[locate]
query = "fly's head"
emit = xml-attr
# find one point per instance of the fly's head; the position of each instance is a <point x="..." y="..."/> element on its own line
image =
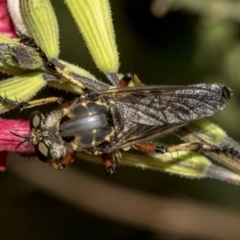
<point x="44" y="136"/>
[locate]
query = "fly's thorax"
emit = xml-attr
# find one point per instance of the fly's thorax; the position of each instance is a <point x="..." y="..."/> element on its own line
<point x="86" y="124"/>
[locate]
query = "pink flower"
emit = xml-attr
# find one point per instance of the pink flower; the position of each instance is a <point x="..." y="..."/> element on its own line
<point x="7" y="140"/>
<point x="6" y="25"/>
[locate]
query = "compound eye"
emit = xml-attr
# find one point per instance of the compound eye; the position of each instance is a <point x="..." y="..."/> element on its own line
<point x="36" y="118"/>
<point x="44" y="152"/>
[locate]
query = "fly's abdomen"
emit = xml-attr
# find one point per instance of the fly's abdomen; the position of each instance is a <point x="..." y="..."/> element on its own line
<point x="87" y="125"/>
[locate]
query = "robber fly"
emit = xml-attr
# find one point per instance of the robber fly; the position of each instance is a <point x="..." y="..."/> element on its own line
<point x="104" y="120"/>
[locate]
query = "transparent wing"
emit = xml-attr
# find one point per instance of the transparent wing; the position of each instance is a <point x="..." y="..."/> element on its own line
<point x="147" y="112"/>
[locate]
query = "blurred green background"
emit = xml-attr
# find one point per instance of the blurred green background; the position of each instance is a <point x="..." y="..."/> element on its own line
<point x="192" y="42"/>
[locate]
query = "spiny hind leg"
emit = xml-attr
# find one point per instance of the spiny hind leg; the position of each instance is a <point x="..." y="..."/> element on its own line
<point x="192" y="146"/>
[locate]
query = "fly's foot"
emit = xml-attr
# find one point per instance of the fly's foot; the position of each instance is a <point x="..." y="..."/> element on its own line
<point x="110" y="171"/>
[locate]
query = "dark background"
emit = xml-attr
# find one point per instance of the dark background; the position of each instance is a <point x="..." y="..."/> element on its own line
<point x="182" y="47"/>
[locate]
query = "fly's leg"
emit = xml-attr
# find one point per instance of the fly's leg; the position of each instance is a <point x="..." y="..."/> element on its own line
<point x="31" y="43"/>
<point x="106" y="158"/>
<point x="125" y="80"/>
<point x="44" y="101"/>
<point x="68" y="77"/>
<point x="137" y="82"/>
<point x="48" y="63"/>
<point x="13" y="103"/>
<point x="109" y="164"/>
<point x="149" y="147"/>
<point x="68" y="159"/>
<point x="203" y="146"/>
<point x="33" y="103"/>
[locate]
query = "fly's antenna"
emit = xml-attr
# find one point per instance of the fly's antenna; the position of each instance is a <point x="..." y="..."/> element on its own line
<point x="25" y="139"/>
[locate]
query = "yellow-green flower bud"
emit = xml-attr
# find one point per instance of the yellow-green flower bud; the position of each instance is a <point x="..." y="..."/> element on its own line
<point x="20" y="89"/>
<point x="95" y="23"/>
<point x="41" y="23"/>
